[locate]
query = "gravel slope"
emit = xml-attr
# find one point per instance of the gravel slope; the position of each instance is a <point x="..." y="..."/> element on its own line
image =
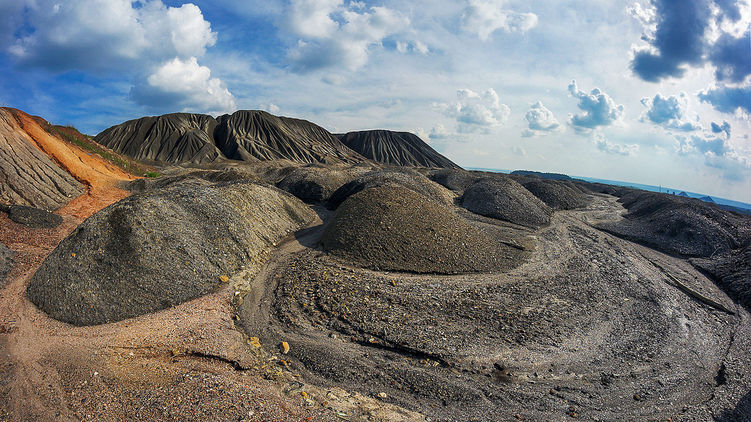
<point x="27" y="175"/>
<point x="591" y="327"/>
<point x="395" y="148"/>
<point x="246" y="135"/>
<point x="502" y="198"/>
<point x="397" y="229"/>
<point x="158" y="249"/>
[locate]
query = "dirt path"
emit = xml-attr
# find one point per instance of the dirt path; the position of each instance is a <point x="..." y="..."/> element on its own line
<point x="591" y="325"/>
<point x="189" y="362"/>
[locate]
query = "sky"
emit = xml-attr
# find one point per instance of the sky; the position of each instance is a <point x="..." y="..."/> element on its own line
<point x="650" y="91"/>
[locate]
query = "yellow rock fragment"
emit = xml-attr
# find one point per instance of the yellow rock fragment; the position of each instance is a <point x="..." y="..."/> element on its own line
<point x="224" y="278"/>
<point x="254" y="342"/>
<point x="285" y="347"/>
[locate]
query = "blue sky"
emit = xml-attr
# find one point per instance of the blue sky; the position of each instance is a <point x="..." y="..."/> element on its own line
<point x="649" y="91"/>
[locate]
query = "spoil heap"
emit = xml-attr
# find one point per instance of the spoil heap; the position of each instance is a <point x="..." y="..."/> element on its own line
<point x="395" y="148"/>
<point x="409" y="179"/>
<point x="680" y="226"/>
<point x="27" y="175"/>
<point x="502" y="198"/>
<point x="397" y="229"/>
<point x="156" y="250"/>
<point x="558" y="195"/>
<point x="315" y="183"/>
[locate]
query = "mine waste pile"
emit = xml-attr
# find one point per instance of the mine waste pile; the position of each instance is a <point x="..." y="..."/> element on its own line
<point x="273" y="262"/>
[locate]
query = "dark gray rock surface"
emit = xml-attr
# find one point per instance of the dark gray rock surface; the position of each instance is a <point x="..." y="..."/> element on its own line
<point x="502" y="198"/>
<point x="455" y="179"/>
<point x="31" y="217"/>
<point x="158" y="249"/>
<point x="732" y="271"/>
<point x="392" y="177"/>
<point x="247" y="135"/>
<point x="397" y="229"/>
<point x="315" y="183"/>
<point x="680" y="226"/>
<point x="6" y="262"/>
<point x="395" y="148"/>
<point x="172" y="138"/>
<point x="557" y="194"/>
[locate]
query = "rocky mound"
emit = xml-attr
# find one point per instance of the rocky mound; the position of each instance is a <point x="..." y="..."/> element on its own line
<point x="403" y="178"/>
<point x="558" y="195"/>
<point x="257" y="135"/>
<point x="397" y="229"/>
<point x="158" y="249"/>
<point x="27" y="175"/>
<point x="455" y="179"/>
<point x="247" y="135"/>
<point x="680" y="226"/>
<point x="34" y="218"/>
<point x="315" y="183"/>
<point x="502" y="198"/>
<point x="396" y="148"/>
<point x="542" y="175"/>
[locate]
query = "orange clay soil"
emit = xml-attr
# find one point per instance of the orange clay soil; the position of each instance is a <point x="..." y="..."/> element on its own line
<point x="100" y="177"/>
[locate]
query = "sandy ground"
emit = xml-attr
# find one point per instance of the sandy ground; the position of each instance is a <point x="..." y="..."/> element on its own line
<point x="187" y="363"/>
<point x="184" y="363"/>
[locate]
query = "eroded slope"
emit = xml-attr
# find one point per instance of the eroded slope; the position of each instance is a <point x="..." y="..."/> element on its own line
<point x="395" y="148"/>
<point x="27" y="175"/>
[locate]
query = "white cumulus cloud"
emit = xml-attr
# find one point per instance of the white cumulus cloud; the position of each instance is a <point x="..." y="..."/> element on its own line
<point x="474" y="111"/>
<point x="185" y="85"/>
<point x="312" y="18"/>
<point x="540" y="120"/>
<point x="332" y="34"/>
<point x="668" y="112"/>
<point x="598" y="108"/>
<point x="484" y="17"/>
<point x="106" y="35"/>
<point x="606" y="146"/>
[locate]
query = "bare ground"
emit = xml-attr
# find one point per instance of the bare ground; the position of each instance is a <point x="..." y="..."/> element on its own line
<point x="187" y="363"/>
<point x="592" y="326"/>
